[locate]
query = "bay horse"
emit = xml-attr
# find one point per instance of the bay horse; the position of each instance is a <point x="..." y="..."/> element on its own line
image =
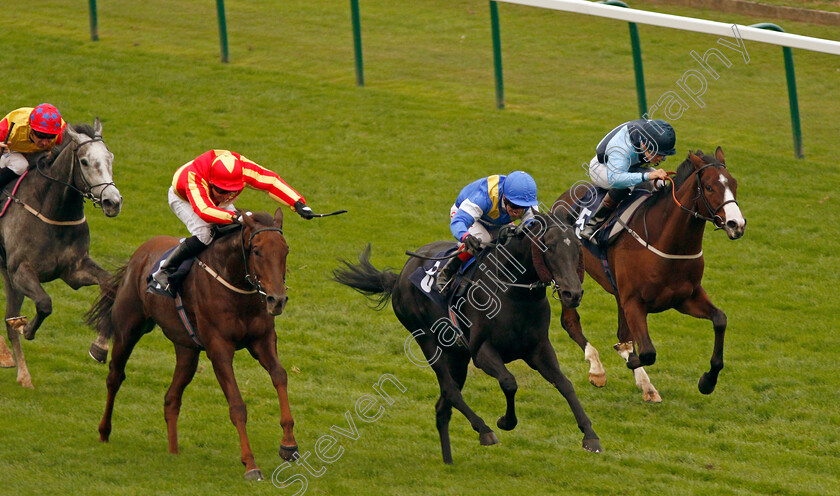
<point x="231" y="301"/>
<point x="44" y="235"/>
<point x="505" y="313"/>
<point x="659" y="265"/>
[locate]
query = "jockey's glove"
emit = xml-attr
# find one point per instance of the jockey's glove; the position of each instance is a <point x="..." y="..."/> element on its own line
<point x="472" y="244"/>
<point x="303" y="210"/>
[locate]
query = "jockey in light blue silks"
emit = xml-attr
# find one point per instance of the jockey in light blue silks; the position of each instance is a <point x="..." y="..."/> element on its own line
<point x="483" y="207"/>
<point x="621" y="162"/>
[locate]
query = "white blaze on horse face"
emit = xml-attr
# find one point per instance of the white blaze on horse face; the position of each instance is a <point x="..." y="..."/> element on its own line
<point x="99" y="170"/>
<point x="731" y="210"/>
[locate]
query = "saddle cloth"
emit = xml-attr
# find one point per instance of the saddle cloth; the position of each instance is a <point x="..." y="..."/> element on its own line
<point x="176" y="279"/>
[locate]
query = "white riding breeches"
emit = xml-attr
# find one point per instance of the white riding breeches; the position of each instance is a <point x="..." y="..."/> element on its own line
<point x="197" y="226"/>
<point x="15" y="161"/>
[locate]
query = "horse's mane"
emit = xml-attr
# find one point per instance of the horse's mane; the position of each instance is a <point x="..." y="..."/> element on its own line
<point x="225" y="232"/>
<point x="46" y="159"/>
<point x="686" y="169"/>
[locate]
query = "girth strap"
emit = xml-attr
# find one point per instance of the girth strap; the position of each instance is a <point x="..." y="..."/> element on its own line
<point x="182" y="314"/>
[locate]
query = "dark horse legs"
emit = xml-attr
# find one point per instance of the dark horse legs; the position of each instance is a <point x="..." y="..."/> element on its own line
<point x="265" y="351"/>
<point x="186" y="362"/>
<point x="488" y="360"/>
<point x="699" y="305"/>
<point x="544" y="360"/>
<point x="451" y="372"/>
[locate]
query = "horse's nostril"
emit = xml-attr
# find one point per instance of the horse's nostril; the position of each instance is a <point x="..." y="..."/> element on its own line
<point x="271" y="300"/>
<point x="731" y="224"/>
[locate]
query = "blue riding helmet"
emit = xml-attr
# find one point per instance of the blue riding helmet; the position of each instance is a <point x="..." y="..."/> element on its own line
<point x="520" y="189"/>
<point x="659" y="137"/>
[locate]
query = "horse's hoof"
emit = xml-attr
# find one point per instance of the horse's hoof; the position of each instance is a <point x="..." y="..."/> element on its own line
<point x="97" y="353"/>
<point x="707" y="384"/>
<point x="254" y="475"/>
<point x="647" y="359"/>
<point x="598" y="380"/>
<point x="652" y="397"/>
<point x="506" y="425"/>
<point x="28" y="333"/>
<point x="592" y="445"/>
<point x="488" y="439"/>
<point x="633" y="362"/>
<point x="26" y="382"/>
<point x="288" y="452"/>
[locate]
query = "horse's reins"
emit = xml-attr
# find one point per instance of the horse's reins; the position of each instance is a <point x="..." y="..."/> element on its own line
<point x="97" y="202"/>
<point x="252" y="278"/>
<point x="85" y="195"/>
<point x="716" y="220"/>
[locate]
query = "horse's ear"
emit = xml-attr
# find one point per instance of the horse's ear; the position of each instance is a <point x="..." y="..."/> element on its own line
<point x="278" y="217"/>
<point x="73" y="134"/>
<point x="97" y="128"/>
<point x="697" y="161"/>
<point x="719" y="155"/>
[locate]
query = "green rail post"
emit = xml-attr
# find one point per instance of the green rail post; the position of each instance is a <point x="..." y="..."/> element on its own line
<point x="637" y="59"/>
<point x="94" y="27"/>
<point x="497" y="55"/>
<point x="220" y="7"/>
<point x="357" y="42"/>
<point x="791" y="84"/>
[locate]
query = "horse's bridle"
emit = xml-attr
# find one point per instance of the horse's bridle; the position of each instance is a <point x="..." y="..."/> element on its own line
<point x="251" y="276"/>
<point x="716" y="220"/>
<point x="97" y="202"/>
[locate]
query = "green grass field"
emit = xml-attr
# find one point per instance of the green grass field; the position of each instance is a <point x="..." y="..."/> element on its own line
<point x="395" y="154"/>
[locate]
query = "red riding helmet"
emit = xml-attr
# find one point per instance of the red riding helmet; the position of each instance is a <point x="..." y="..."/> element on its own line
<point x="226" y="172"/>
<point x="45" y="119"/>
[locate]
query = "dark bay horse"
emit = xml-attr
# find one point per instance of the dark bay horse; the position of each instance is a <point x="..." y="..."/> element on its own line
<point x="505" y="315"/>
<point x="44" y="235"/>
<point x="230" y="298"/>
<point x="662" y="265"/>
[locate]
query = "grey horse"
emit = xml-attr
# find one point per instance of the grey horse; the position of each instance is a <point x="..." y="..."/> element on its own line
<point x="44" y="235"/>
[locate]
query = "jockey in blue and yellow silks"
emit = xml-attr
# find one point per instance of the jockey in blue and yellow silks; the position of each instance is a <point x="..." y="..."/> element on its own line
<point x="623" y="159"/>
<point x="484" y="206"/>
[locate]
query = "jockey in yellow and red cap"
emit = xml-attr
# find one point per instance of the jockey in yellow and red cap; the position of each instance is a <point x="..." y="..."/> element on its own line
<point x="202" y="194"/>
<point x="26" y="131"/>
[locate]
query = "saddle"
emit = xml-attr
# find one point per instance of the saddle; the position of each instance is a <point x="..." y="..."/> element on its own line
<point x="585" y="207"/>
<point x="425" y="277"/>
<point x="176" y="279"/>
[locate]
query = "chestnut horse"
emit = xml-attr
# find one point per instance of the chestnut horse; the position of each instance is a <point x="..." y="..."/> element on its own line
<point x="659" y="265"/>
<point x="231" y="301"/>
<point x="505" y="313"/>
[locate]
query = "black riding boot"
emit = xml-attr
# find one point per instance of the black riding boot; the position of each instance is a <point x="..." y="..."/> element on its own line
<point x="6" y="176"/>
<point x="613" y="198"/>
<point x="447" y="272"/>
<point x="159" y="284"/>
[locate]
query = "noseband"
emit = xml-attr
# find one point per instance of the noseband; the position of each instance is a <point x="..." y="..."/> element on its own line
<point x="250" y="275"/>
<point x="716" y="220"/>
<point x="87" y="193"/>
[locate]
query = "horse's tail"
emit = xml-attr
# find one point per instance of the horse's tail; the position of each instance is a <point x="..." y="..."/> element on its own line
<point x="99" y="315"/>
<point x="367" y="279"/>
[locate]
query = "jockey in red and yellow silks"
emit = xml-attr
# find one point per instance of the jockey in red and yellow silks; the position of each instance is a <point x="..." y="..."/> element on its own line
<point x="202" y="194"/>
<point x="192" y="182"/>
<point x="26" y="131"/>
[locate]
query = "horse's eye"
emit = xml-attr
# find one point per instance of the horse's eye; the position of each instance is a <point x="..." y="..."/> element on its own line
<point x="708" y="188"/>
<point x="257" y="252"/>
<point x="84" y="162"/>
